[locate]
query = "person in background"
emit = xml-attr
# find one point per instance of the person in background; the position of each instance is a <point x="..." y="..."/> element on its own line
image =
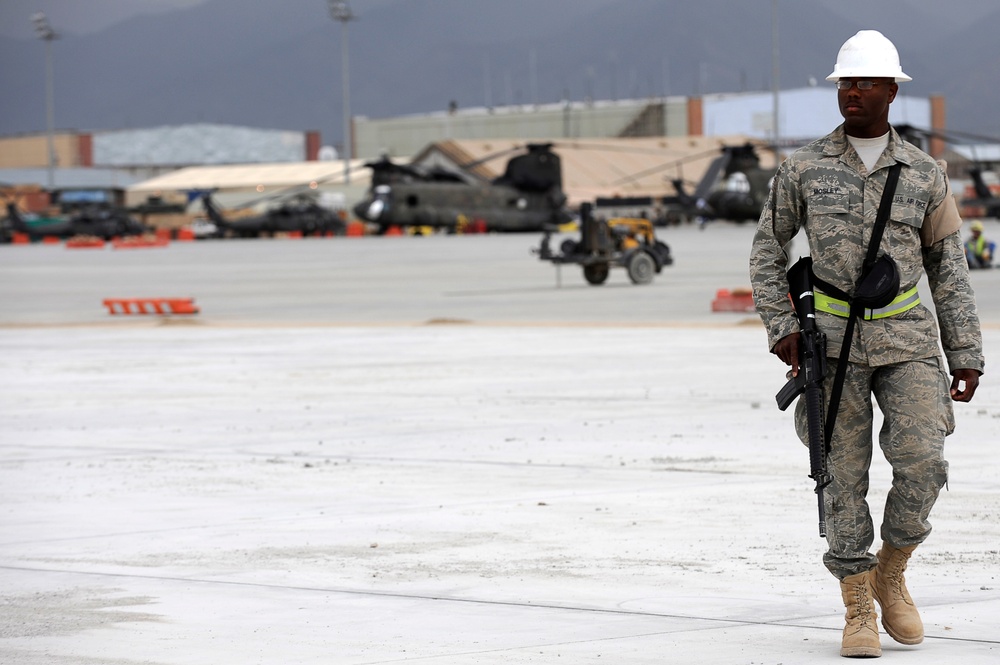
<point x="978" y="250"/>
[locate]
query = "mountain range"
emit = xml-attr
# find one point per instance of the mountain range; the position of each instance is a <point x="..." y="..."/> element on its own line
<point x="277" y="64"/>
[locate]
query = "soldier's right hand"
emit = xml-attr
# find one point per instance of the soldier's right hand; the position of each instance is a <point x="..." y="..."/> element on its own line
<point x="787" y="350"/>
<point x="964" y="384"/>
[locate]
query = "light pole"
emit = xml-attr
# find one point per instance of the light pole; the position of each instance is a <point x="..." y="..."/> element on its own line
<point x="775" y="84"/>
<point x="47" y="34"/>
<point x="341" y="11"/>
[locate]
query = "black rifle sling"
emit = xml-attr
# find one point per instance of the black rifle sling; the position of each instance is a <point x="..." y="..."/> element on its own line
<point x="885" y="205"/>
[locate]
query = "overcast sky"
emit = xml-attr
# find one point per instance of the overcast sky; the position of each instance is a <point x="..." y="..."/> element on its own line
<point x="81" y="17"/>
<point x="196" y="48"/>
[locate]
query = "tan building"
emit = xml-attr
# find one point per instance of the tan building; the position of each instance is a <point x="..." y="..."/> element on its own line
<point x="70" y="149"/>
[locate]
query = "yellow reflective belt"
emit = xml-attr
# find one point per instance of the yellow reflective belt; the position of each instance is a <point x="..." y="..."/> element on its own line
<point x="903" y="302"/>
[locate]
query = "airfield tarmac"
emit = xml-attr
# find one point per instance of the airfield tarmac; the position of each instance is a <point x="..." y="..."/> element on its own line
<point x="438" y="450"/>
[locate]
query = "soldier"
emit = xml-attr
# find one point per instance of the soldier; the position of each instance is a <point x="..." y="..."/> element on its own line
<point x="832" y="189"/>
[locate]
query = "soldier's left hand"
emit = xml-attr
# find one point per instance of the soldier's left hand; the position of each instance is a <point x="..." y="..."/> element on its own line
<point x="970" y="378"/>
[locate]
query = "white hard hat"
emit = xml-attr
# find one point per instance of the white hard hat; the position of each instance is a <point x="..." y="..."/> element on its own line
<point x="868" y="53"/>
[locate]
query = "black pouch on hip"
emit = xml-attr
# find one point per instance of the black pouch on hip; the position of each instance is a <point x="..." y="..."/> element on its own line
<point x="880" y="286"/>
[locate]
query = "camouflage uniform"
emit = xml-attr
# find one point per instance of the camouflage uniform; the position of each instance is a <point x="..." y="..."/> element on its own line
<point x="826" y="189"/>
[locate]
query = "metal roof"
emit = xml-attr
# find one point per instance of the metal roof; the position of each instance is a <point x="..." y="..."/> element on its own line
<point x="257" y="177"/>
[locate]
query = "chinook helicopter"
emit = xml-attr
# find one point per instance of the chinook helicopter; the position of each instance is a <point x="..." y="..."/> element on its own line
<point x="527" y="197"/>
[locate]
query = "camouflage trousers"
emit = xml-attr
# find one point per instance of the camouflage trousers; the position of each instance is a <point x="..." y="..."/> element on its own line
<point x="914" y="399"/>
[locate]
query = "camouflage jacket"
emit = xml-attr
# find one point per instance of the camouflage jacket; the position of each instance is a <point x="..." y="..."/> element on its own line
<point x="825" y="189"/>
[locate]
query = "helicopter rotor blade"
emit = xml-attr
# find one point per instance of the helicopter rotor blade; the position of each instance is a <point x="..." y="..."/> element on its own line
<point x="948" y="136"/>
<point x="665" y="166"/>
<point x="288" y="190"/>
<point x="715" y="170"/>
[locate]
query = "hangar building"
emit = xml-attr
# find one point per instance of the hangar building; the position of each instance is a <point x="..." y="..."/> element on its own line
<point x="804" y="114"/>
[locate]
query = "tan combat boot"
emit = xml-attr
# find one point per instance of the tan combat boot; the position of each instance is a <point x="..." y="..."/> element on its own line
<point x="861" y="632"/>
<point x="899" y="615"/>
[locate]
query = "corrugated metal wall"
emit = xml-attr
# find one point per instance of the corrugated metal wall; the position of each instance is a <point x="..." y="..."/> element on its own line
<point x="406" y="136"/>
<point x="184" y="145"/>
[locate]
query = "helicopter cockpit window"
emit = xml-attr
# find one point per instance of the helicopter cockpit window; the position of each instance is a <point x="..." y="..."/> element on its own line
<point x="375" y="208"/>
<point x="380" y="202"/>
<point x="738" y="182"/>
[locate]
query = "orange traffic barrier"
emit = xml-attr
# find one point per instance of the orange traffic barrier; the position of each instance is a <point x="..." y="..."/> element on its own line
<point x="737" y="300"/>
<point x="84" y="242"/>
<point x="51" y="240"/>
<point x="394" y="231"/>
<point x="185" y="233"/>
<point x="150" y="306"/>
<point x="139" y="241"/>
<point x="18" y="238"/>
<point x="355" y="229"/>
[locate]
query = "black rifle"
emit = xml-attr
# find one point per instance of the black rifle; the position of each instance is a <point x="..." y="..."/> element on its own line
<point x="812" y="369"/>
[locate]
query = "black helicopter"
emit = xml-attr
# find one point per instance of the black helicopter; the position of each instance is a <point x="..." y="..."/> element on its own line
<point x="98" y="220"/>
<point x="300" y="213"/>
<point x="984" y="198"/>
<point x="527" y="197"/>
<point x="735" y="187"/>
